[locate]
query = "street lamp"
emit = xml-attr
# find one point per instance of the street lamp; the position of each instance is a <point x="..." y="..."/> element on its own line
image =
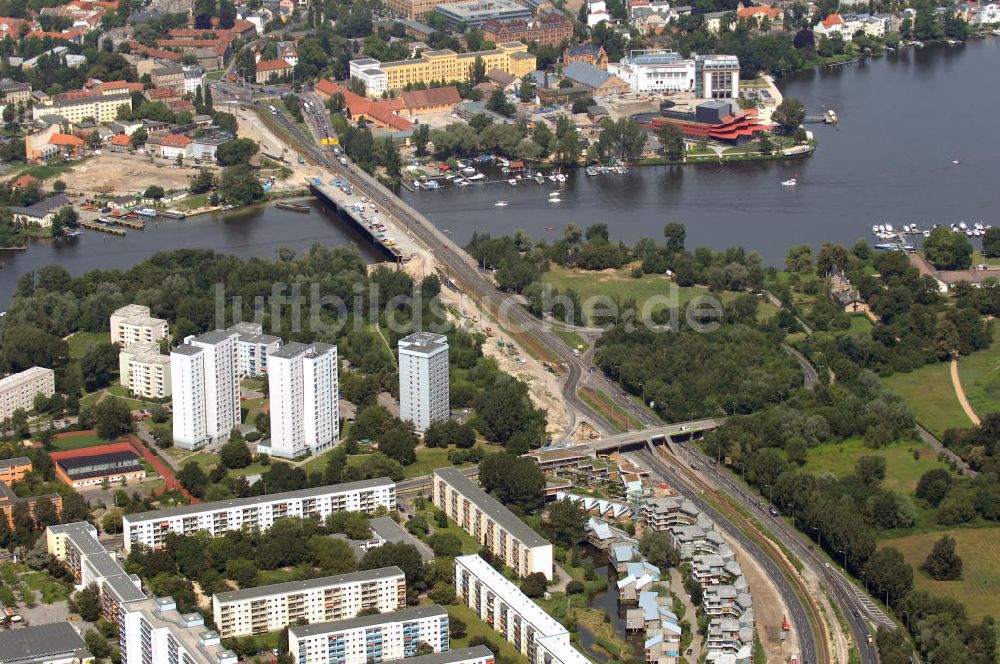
<point x="845" y="557"/>
<point x="820" y="535"/>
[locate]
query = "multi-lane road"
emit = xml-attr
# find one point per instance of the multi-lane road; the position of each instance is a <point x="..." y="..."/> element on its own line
<point x="855" y="606"/>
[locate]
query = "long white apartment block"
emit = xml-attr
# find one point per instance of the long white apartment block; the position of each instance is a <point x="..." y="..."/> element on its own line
<point x="133" y="324"/>
<point x="375" y="638"/>
<point x="268" y="608"/>
<point x="423" y="379"/>
<point x="254" y="348"/>
<point x="144" y="370"/>
<point x="518" y="619"/>
<point x="150" y="629"/>
<point x="18" y="391"/>
<point x="257" y="512"/>
<point x="303" y="388"/>
<point x="204" y="379"/>
<point x="493" y="525"/>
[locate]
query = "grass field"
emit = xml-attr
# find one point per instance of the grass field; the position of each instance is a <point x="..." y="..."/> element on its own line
<point x="79" y="342"/>
<point x="860" y="323"/>
<point x="428" y="458"/>
<point x="902" y="470"/>
<point x="76" y="442"/>
<point x="979" y="259"/>
<point x="572" y="339"/>
<point x="979" y="548"/>
<point x="930" y="394"/>
<point x="980" y="376"/>
<point x="476" y="626"/>
<point x="620" y="284"/>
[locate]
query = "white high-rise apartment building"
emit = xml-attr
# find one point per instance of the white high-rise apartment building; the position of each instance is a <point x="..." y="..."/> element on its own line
<point x="19" y="390"/>
<point x="254" y="348"/>
<point x="206" y="390"/>
<point x="144" y="370"/>
<point x="303" y="386"/>
<point x="423" y="379"/>
<point x="132" y="324"/>
<point x="375" y="638"/>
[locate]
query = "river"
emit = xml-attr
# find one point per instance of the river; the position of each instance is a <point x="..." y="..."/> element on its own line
<point x="904" y="118"/>
<point x="253" y="232"/>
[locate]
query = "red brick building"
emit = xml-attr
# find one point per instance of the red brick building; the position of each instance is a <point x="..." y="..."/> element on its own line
<point x="550" y="29"/>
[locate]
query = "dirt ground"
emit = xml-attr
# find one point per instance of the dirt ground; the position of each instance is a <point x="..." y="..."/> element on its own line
<point x="117" y="174"/>
<point x="249" y="126"/>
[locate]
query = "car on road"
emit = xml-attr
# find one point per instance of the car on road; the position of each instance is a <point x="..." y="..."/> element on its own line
<point x="685" y="428"/>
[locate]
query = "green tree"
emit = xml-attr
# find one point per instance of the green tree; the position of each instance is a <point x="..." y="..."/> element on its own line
<point x="193" y="478"/>
<point x="45" y="513"/>
<point x="948" y="250"/>
<point x="888" y="575"/>
<point x="513" y="480"/>
<point x="527" y="90"/>
<point x="87" y="603"/>
<point x="943" y="562"/>
<point x="478" y="74"/>
<point x="870" y="469"/>
<point x="421" y="136"/>
<point x="404" y="556"/>
<point x="790" y="113"/>
<point x="498" y="103"/>
<point x="112" y="418"/>
<point x="154" y="191"/>
<point x="235" y="454"/>
<point x="445" y="545"/>
<point x="534" y="585"/>
<point x="566" y="521"/>
<point x="239" y="184"/>
<point x="235" y="152"/>
<point x="658" y="550"/>
<point x="672" y="139"/>
<point x="244" y="572"/>
<point x="99" y="365"/>
<point x="991" y="242"/>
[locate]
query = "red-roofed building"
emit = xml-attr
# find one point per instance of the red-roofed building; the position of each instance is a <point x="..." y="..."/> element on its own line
<point x="165" y="95"/>
<point x="12" y="27"/>
<point x="117" y="87"/>
<point x="381" y="113"/>
<point x="154" y="52"/>
<point x="757" y="15"/>
<point x="435" y="100"/>
<point x="549" y="29"/>
<point x="172" y="146"/>
<point x="68" y="144"/>
<point x="268" y="69"/>
<point x="91" y="466"/>
<point x="24" y="182"/>
<point x="121" y="143"/>
<point x="75" y="35"/>
<point x="832" y="24"/>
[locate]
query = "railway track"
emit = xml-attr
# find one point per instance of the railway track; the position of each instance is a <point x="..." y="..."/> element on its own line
<point x="814" y="641"/>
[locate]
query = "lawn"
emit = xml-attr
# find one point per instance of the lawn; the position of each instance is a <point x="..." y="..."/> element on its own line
<point x="429" y="458"/>
<point x="979" y="259"/>
<point x="194" y="202"/>
<point x="620" y="284"/>
<point x="979" y="548"/>
<point x="469" y="543"/>
<point x="572" y="339"/>
<point x="252" y="469"/>
<point x="902" y="470"/>
<point x="46" y="588"/>
<point x="929" y="393"/>
<point x="76" y="442"/>
<point x="980" y="376"/>
<point x="860" y="323"/>
<point x="80" y="341"/>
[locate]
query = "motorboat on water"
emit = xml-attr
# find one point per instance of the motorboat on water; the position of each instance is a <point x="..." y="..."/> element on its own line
<point x="591" y="170"/>
<point x="500" y="204"/>
<point x="560" y="177"/>
<point x="553" y="178"/>
<point x="554" y="194"/>
<point x="477" y="176"/>
<point x="539" y="178"/>
<point x="512" y="182"/>
<point x="791" y="182"/>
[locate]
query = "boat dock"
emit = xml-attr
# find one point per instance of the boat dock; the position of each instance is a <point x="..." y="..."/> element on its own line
<point x="362" y="214"/>
<point x="135" y="224"/>
<point x="101" y="226"/>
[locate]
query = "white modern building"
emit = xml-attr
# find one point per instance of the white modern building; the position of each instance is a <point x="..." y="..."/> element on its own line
<point x="717" y="76"/>
<point x="493" y="525"/>
<point x="132" y="324"/>
<point x="150" y="630"/>
<point x="369" y="72"/>
<point x="303" y="388"/>
<point x="254" y="348"/>
<point x="655" y="71"/>
<point x="204" y="380"/>
<point x="18" y="391"/>
<point x="518" y="619"/>
<point x="374" y="638"/>
<point x="144" y="370"/>
<point x="329" y="598"/>
<point x="423" y="379"/>
<point x="257" y="512"/>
